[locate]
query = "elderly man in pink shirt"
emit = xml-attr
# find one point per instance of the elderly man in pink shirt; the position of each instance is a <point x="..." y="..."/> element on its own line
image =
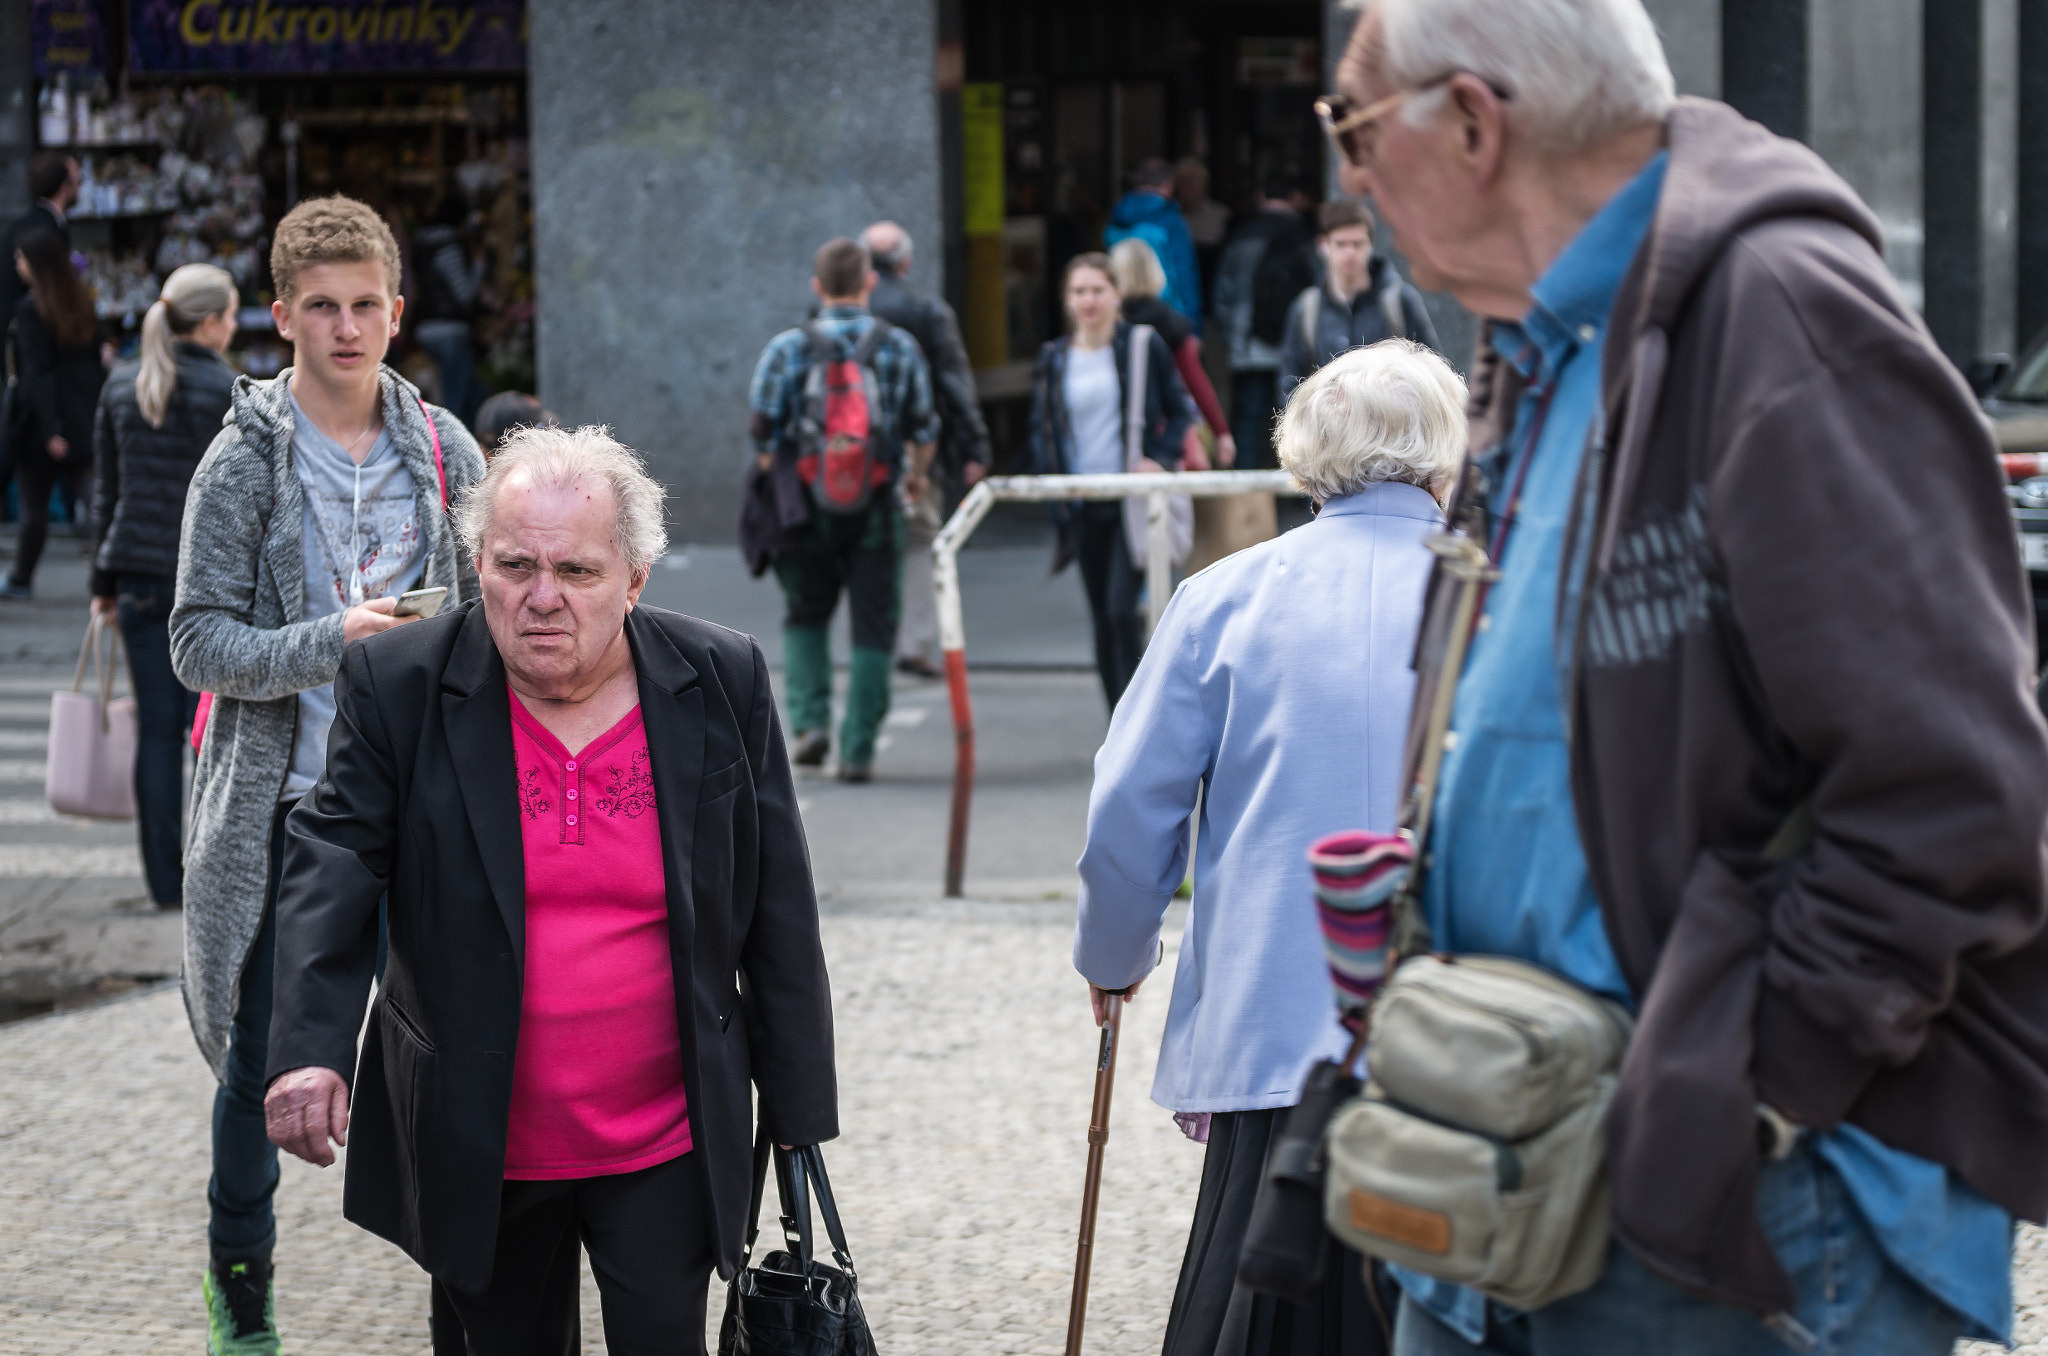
<point x="602" y="926"/>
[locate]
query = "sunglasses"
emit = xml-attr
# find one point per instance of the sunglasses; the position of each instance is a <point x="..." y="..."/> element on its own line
<point x="1347" y="127"/>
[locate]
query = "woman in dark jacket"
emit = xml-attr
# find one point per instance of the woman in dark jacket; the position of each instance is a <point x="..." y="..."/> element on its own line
<point x="156" y="418"/>
<point x="55" y="361"/>
<point x="1141" y="279"/>
<point x="1077" y="428"/>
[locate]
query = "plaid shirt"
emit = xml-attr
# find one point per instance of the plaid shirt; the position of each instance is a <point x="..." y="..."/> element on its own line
<point x="777" y="394"/>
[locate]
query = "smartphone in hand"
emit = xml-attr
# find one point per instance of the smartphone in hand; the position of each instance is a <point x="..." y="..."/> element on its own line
<point x="420" y="602"/>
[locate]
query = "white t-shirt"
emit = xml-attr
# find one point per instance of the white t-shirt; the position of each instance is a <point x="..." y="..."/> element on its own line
<point x="1095" y="410"/>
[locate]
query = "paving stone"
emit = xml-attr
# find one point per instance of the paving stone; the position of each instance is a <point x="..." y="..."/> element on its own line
<point x="966" y="1064"/>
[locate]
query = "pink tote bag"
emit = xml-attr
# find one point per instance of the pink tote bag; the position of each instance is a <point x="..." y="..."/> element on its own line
<point x="91" y="769"/>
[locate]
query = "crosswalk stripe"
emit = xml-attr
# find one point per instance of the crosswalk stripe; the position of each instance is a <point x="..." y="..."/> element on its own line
<point x="35" y="860"/>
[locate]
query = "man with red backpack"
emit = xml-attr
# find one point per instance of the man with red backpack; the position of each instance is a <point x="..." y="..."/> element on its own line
<point x="842" y="405"/>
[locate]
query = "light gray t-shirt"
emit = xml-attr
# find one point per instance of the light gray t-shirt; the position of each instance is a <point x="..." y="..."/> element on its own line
<point x="1095" y="411"/>
<point x="362" y="540"/>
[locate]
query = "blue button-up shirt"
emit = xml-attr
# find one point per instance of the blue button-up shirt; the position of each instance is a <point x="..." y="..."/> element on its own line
<point x="1279" y="680"/>
<point x="1510" y="877"/>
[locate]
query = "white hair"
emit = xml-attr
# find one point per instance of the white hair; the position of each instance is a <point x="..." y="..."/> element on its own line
<point x="1389" y="411"/>
<point x="558" y="458"/>
<point x="1135" y="269"/>
<point x="1575" y="72"/>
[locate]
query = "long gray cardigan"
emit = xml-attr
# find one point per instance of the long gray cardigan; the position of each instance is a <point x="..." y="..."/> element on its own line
<point x="236" y="631"/>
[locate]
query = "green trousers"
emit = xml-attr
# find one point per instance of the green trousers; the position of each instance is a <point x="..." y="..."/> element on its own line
<point x="860" y="555"/>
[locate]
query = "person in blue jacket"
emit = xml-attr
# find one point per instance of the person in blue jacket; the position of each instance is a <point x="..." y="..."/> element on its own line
<point x="1149" y="213"/>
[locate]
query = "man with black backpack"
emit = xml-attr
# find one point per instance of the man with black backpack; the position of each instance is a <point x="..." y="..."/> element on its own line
<point x="843" y="403"/>
<point x="1361" y="299"/>
<point x="1267" y="263"/>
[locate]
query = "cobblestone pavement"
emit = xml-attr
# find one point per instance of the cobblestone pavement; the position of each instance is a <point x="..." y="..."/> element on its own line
<point x="966" y="1060"/>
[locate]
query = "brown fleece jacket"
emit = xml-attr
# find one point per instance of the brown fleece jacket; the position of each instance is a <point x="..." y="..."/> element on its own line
<point x="1802" y="590"/>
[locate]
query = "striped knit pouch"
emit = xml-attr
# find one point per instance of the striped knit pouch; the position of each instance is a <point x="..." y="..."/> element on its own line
<point x="1356" y="874"/>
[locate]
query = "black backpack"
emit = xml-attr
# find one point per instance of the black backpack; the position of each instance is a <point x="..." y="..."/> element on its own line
<point x="1286" y="268"/>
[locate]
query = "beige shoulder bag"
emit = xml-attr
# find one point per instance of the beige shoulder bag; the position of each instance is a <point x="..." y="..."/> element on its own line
<point x="1475" y="1153"/>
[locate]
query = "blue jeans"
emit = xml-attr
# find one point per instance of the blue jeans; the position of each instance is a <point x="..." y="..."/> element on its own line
<point x="163" y="714"/>
<point x="1254" y="400"/>
<point x="242" y="1226"/>
<point x="1850" y="1297"/>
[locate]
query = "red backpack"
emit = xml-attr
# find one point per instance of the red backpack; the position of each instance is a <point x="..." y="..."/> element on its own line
<point x="842" y="444"/>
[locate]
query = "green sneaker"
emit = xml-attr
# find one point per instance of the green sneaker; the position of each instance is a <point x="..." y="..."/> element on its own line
<point x="241" y="1309"/>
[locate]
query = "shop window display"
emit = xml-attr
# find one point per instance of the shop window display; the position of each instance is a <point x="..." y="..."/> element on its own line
<point x="174" y="174"/>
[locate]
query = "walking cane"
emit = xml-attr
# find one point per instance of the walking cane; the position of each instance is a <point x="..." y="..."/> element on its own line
<point x="1098" y="1136"/>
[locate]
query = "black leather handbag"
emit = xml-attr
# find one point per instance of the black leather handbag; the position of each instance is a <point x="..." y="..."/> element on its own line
<point x="793" y="1304"/>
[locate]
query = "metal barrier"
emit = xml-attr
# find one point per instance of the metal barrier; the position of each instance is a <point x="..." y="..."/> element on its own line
<point x="1158" y="585"/>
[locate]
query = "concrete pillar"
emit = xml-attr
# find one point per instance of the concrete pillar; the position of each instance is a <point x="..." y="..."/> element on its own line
<point x="1865" y="116"/>
<point x="17" y="108"/>
<point x="688" y="159"/>
<point x="1691" y="30"/>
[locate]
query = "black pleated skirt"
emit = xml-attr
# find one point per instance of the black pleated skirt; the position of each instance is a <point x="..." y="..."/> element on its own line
<point x="1215" y="1316"/>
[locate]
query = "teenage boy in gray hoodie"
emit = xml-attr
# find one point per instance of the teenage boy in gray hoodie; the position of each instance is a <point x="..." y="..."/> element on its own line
<point x="322" y="500"/>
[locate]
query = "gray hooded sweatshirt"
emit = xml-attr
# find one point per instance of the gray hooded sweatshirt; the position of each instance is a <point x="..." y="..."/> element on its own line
<point x="241" y="630"/>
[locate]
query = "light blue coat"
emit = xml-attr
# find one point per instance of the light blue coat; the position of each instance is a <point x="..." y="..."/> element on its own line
<point x="1279" y="679"/>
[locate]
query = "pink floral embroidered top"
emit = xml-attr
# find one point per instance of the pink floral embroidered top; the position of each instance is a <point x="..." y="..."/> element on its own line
<point x="597" y="1084"/>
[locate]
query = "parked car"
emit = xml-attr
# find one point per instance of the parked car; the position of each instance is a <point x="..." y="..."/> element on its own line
<point x="2015" y="400"/>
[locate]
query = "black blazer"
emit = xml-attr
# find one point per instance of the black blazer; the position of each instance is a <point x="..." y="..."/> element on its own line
<point x="420" y="799"/>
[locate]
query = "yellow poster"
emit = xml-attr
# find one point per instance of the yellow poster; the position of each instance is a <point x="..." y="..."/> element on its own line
<point x="981" y="157"/>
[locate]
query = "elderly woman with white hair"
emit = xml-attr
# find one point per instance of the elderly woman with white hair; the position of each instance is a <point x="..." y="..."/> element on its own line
<point x="583" y="813"/>
<point x="1275" y="695"/>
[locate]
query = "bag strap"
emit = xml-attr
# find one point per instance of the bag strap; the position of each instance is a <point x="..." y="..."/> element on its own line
<point x="790" y="1184"/>
<point x="871" y="343"/>
<point x="1134" y="396"/>
<point x="1311" y="318"/>
<point x="813" y="1159"/>
<point x="1465" y="571"/>
<point x="762" y="1145"/>
<point x="1394" y="306"/>
<point x="440" y="470"/>
<point x="90" y="646"/>
<point x="822" y="351"/>
<point x="105" y="659"/>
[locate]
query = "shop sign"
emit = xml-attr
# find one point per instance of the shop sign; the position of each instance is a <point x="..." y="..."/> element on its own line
<point x="68" y="36"/>
<point x="326" y="36"/>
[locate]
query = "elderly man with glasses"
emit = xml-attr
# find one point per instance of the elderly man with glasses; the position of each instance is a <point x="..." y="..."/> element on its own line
<point x="1744" y="739"/>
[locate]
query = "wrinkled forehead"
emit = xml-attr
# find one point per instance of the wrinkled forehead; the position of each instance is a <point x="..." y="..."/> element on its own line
<point x="553" y="521"/>
<point x="1359" y="71"/>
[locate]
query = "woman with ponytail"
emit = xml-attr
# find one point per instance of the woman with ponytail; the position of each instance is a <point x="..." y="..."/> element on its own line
<point x="156" y="419"/>
<point x="54" y="365"/>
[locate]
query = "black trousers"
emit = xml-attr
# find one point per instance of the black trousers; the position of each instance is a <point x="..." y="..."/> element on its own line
<point x="649" y="1237"/>
<point x="163" y="710"/>
<point x="1213" y="1315"/>
<point x="35" y="473"/>
<point x="859" y="554"/>
<point x="1112" y="583"/>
